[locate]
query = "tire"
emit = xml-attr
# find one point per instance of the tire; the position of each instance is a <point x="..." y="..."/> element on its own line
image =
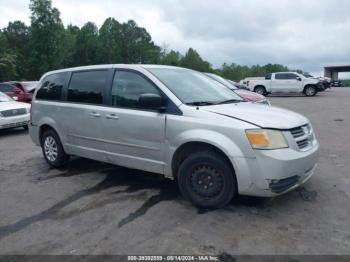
<point x="52" y="149"/>
<point x="260" y="90"/>
<point x="207" y="180"/>
<point x="310" y="90"/>
<point x="25" y="127"/>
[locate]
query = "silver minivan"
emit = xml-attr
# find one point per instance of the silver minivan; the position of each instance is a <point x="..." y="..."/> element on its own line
<point x="176" y="122"/>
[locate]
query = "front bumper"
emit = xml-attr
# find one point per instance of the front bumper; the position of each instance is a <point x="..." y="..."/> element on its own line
<point x="275" y="172"/>
<point x="14" y="121"/>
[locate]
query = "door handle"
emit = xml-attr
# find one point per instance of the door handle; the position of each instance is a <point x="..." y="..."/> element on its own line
<point x="94" y="114"/>
<point x="112" y="116"/>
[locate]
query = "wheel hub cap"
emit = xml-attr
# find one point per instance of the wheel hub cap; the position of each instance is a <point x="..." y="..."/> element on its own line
<point x="50" y="148"/>
<point x="206" y="181"/>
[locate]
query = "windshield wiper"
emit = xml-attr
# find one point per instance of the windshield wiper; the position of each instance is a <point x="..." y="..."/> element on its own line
<point x="229" y="101"/>
<point x="200" y="103"/>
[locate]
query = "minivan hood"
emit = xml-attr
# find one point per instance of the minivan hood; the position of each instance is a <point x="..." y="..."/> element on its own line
<point x="262" y="116"/>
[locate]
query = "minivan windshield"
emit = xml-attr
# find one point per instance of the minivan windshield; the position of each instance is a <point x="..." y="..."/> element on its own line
<point x="5" y="98"/>
<point x="195" y="88"/>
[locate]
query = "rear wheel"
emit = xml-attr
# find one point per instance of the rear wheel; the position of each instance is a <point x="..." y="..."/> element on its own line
<point x="260" y="90"/>
<point x="52" y="149"/>
<point x="207" y="180"/>
<point x="310" y="90"/>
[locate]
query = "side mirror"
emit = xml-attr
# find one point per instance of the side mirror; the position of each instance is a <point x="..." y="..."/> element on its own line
<point x="15" y="98"/>
<point x="151" y="101"/>
<point x="298" y="78"/>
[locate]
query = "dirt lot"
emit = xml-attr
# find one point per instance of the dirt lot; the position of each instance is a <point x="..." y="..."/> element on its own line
<point x="95" y="208"/>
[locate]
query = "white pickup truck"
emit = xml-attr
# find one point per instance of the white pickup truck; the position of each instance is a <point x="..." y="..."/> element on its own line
<point x="285" y="82"/>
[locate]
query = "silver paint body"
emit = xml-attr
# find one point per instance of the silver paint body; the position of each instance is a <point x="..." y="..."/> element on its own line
<point x="147" y="140"/>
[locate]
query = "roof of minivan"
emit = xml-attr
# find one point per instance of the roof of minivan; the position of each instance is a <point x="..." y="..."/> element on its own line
<point x="91" y="67"/>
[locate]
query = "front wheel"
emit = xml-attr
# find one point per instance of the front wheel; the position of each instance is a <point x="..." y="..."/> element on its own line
<point x="207" y="180"/>
<point x="53" y="150"/>
<point x="310" y="91"/>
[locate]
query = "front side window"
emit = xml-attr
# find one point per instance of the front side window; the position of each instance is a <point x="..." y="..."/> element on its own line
<point x="193" y="87"/>
<point x="87" y="87"/>
<point x="51" y="87"/>
<point x="268" y="77"/>
<point x="128" y="87"/>
<point x="292" y="76"/>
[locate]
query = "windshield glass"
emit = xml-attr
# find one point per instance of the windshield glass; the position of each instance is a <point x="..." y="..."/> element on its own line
<point x="307" y="75"/>
<point x="194" y="87"/>
<point x="222" y="80"/>
<point x="5" y="98"/>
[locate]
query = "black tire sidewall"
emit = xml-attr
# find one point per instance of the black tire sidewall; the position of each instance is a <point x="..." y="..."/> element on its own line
<point x="215" y="161"/>
<point x="61" y="158"/>
<point x="312" y="87"/>
<point x="261" y="88"/>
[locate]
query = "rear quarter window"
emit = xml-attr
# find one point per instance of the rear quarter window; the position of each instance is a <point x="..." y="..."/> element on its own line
<point x="51" y="87"/>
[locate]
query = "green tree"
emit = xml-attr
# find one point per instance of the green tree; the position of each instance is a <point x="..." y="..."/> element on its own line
<point x="7" y="60"/>
<point x="110" y="38"/>
<point x="45" y="37"/>
<point x="172" y="58"/>
<point x="194" y="61"/>
<point x="17" y="34"/>
<point x="87" y="45"/>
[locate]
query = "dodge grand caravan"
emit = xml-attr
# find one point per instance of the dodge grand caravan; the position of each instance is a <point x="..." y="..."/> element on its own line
<point x="176" y="122"/>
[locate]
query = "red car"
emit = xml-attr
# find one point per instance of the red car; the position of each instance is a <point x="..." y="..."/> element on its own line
<point x="247" y="96"/>
<point x="19" y="91"/>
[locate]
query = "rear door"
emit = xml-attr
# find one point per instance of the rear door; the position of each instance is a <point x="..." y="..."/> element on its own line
<point x="281" y="83"/>
<point x="83" y="113"/>
<point x="134" y="136"/>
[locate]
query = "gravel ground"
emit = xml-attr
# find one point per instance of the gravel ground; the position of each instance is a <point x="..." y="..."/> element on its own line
<point x="96" y="208"/>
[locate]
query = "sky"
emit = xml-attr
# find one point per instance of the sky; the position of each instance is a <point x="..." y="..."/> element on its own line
<point x="302" y="34"/>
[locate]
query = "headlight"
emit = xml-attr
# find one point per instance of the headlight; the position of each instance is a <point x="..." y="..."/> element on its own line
<point x="266" y="139"/>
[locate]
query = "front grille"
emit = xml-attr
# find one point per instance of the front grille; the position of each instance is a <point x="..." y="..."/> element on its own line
<point x="283" y="184"/>
<point x="13" y="112"/>
<point x="303" y="136"/>
<point x="303" y="143"/>
<point x="297" y="132"/>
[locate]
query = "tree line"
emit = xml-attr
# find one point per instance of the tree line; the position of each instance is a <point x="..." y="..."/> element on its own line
<point x="27" y="52"/>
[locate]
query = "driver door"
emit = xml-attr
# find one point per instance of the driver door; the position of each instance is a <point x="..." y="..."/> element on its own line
<point x="134" y="136"/>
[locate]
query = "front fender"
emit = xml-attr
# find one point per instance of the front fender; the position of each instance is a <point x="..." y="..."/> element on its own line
<point x="220" y="141"/>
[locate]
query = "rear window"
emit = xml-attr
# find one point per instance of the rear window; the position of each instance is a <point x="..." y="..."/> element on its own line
<point x="6" y="88"/>
<point x="87" y="87"/>
<point x="281" y="76"/>
<point x="51" y="87"/>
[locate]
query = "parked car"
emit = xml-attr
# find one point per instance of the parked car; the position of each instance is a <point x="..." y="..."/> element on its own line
<point x="247" y="96"/>
<point x="12" y="113"/>
<point x="238" y="85"/>
<point x="324" y="80"/>
<point x="20" y="91"/>
<point x="336" y="83"/>
<point x="285" y="83"/>
<point x="176" y="122"/>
